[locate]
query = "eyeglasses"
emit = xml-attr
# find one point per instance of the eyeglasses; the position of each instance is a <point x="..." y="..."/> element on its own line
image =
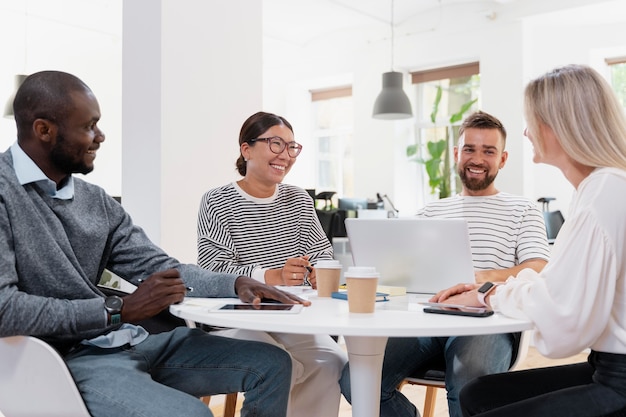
<point x="277" y="145"/>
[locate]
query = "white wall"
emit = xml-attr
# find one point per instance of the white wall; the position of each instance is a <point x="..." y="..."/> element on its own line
<point x="189" y="83"/>
<point x="42" y="35"/>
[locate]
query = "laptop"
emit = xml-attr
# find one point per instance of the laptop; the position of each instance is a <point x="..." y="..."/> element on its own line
<point x="424" y="255"/>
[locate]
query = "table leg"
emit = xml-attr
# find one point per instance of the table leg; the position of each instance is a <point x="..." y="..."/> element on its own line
<point x="366" y="361"/>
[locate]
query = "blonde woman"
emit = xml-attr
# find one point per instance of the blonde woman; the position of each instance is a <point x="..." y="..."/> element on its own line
<point x="578" y="301"/>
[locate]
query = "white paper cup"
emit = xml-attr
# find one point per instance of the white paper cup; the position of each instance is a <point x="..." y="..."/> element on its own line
<point x="361" y="282"/>
<point x="327" y="274"/>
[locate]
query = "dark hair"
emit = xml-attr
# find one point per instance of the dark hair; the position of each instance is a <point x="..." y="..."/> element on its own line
<point x="45" y="95"/>
<point x="254" y="126"/>
<point x="482" y="120"/>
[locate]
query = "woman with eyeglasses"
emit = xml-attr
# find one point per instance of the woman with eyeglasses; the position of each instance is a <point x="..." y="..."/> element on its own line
<point x="578" y="301"/>
<point x="260" y="227"/>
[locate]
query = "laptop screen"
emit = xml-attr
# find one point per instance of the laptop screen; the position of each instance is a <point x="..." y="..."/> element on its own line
<point x="422" y="255"/>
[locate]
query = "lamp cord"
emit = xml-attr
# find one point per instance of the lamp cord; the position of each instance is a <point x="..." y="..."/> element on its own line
<point x="392" y="40"/>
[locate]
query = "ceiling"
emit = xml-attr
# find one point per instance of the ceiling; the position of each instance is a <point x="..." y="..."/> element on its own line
<point x="300" y="22"/>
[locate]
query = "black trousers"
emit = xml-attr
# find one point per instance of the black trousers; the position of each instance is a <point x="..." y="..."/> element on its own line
<point x="596" y="388"/>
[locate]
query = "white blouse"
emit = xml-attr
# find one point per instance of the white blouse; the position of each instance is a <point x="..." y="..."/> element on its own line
<point x="579" y="299"/>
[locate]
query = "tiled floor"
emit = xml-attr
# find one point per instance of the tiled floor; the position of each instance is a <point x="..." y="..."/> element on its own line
<point x="416" y="393"/>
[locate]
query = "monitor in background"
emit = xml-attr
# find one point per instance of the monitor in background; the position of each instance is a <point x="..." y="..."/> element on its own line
<point x="351" y="206"/>
<point x="422" y="255"/>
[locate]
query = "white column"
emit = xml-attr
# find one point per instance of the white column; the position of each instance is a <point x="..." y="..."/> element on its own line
<point x="192" y="73"/>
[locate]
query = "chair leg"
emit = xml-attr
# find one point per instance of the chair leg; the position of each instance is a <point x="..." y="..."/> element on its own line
<point x="429" y="401"/>
<point x="231" y="405"/>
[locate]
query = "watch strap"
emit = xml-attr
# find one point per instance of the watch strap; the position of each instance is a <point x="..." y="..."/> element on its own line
<point x="485" y="290"/>
<point x="114" y="318"/>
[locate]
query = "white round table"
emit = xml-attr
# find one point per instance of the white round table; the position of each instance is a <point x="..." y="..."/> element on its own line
<point x="365" y="334"/>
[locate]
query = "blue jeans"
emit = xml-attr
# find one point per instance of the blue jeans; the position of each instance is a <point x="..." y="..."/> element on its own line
<point x="463" y="358"/>
<point x="592" y="389"/>
<point x="164" y="375"/>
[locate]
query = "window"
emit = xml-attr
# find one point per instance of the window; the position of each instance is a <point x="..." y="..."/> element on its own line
<point x="332" y="136"/>
<point x="448" y="90"/>
<point x="617" y="67"/>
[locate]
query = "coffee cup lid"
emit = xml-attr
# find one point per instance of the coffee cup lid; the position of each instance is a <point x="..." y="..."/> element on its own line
<point x="328" y="263"/>
<point x="361" y="272"/>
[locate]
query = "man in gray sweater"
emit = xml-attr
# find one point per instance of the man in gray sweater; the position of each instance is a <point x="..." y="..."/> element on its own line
<point x="57" y="235"/>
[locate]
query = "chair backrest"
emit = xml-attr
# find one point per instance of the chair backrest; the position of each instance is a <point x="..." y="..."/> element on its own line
<point x="553" y="220"/>
<point x="35" y="381"/>
<point x="522" y="349"/>
<point x="333" y="223"/>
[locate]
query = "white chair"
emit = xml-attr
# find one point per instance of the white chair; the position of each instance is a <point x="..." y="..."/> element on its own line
<point x="34" y="381"/>
<point x="437" y="379"/>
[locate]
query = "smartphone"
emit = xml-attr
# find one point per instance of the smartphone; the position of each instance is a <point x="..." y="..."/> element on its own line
<point x="263" y="307"/>
<point x="460" y="311"/>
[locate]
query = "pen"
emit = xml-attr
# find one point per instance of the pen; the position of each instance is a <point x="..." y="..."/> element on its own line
<point x="189" y="289"/>
<point x="306" y="275"/>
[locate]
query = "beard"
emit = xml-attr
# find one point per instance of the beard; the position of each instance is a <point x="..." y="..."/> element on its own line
<point x="64" y="158"/>
<point x="474" y="184"/>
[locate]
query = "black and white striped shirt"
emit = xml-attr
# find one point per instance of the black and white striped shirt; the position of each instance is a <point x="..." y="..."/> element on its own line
<point x="505" y="230"/>
<point x="239" y="234"/>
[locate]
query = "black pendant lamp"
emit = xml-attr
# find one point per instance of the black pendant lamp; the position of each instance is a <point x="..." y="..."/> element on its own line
<point x="392" y="103"/>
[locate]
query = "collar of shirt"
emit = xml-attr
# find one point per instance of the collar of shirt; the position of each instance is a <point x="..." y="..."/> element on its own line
<point x="28" y="172"/>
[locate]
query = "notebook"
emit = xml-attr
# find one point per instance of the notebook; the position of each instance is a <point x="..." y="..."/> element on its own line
<point x="423" y="255"/>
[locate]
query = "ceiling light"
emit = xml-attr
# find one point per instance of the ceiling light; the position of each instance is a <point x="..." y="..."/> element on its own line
<point x="392" y="102"/>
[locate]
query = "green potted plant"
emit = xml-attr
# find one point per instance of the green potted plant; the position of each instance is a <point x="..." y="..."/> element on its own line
<point x="438" y="162"/>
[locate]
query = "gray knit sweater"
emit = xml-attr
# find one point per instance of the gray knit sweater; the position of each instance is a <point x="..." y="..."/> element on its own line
<point x="52" y="253"/>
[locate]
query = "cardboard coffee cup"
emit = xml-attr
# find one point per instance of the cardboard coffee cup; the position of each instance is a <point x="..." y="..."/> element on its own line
<point x="361" y="282"/>
<point x="328" y="274"/>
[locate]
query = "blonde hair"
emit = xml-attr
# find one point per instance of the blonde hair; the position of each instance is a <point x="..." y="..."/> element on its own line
<point x="582" y="111"/>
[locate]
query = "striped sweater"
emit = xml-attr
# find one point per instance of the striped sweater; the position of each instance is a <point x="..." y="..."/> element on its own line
<point x="238" y="233"/>
<point x="504" y="230"/>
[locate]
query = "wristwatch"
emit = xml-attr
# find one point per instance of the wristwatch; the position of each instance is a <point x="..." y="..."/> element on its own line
<point x="485" y="289"/>
<point x="113" y="306"/>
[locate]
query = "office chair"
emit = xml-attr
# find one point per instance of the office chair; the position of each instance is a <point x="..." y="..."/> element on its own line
<point x="435" y="378"/>
<point x="553" y="219"/>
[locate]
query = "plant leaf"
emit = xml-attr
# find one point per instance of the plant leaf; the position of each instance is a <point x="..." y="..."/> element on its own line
<point x="436" y="149"/>
<point x="433" y="114"/>
<point x="411" y="150"/>
<point x="459" y="115"/>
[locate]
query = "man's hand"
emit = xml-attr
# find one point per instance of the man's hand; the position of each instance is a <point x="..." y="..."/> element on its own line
<point x="252" y="291"/>
<point x="155" y="294"/>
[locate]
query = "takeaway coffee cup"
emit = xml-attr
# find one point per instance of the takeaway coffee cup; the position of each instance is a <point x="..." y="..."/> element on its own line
<point x="327" y="273"/>
<point x="361" y="282"/>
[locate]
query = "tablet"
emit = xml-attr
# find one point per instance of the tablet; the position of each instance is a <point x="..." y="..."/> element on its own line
<point x="258" y="308"/>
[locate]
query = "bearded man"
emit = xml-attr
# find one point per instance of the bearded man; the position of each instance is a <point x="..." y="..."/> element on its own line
<point x="507" y="234"/>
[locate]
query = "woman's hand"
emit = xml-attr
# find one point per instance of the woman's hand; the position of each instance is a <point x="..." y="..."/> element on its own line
<point x="294" y="271"/>
<point x="462" y="294"/>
